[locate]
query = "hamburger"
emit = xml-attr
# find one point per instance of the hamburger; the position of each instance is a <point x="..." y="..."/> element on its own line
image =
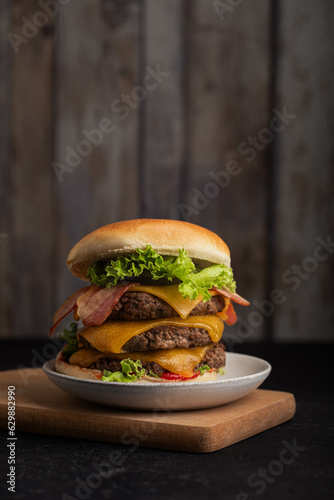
<point x="160" y="292"/>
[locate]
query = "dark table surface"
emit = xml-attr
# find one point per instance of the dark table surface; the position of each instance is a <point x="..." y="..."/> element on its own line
<point x="257" y="468"/>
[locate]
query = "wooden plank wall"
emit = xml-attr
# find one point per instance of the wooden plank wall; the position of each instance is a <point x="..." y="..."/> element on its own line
<point x="6" y="299"/>
<point x="30" y="141"/>
<point x="178" y="149"/>
<point x="229" y="72"/>
<point x="305" y="174"/>
<point x="96" y="63"/>
<point x="163" y="112"/>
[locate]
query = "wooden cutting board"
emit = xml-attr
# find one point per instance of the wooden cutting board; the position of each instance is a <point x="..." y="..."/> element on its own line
<point x="42" y="408"/>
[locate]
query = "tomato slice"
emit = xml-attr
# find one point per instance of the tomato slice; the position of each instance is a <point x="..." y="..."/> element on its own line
<point x="171" y="376"/>
<point x="176" y="376"/>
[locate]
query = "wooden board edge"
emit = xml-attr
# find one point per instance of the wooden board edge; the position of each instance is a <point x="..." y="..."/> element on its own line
<point x="199" y="439"/>
<point x="281" y="411"/>
<point x="139" y="434"/>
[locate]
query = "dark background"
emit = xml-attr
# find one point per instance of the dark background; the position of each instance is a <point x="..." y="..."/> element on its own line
<point x="229" y="69"/>
<point x="231" y="64"/>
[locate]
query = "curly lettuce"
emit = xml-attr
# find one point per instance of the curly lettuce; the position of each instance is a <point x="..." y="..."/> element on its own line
<point x="193" y="281"/>
<point x="69" y="336"/>
<point x="131" y="371"/>
<point x="203" y="369"/>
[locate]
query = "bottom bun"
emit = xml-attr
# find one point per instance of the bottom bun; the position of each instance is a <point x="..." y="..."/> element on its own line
<point x="76" y="371"/>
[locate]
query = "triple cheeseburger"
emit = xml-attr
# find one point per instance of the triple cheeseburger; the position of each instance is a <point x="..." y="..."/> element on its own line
<point x="154" y="311"/>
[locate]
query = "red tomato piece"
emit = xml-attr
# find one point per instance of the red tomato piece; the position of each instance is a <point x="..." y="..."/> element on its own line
<point x="176" y="376"/>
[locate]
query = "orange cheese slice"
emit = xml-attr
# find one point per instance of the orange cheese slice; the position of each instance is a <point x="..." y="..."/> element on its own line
<point x="112" y="335"/>
<point x="172" y="296"/>
<point x="180" y="361"/>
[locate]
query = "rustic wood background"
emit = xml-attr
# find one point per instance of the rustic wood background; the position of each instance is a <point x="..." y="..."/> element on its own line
<point x="228" y="68"/>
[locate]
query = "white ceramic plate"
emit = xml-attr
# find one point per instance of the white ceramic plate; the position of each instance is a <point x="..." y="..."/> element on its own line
<point x="243" y="375"/>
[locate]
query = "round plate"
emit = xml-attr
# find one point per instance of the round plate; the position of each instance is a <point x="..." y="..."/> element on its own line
<point x="243" y="375"/>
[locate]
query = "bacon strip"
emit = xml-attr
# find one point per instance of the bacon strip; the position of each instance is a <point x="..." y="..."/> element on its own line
<point x="96" y="304"/>
<point x="233" y="296"/>
<point x="66" y="308"/>
<point x="231" y="316"/>
<point x="228" y="314"/>
<point x="84" y="299"/>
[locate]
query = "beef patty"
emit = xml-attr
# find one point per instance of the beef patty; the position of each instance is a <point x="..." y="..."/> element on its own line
<point x="142" y="305"/>
<point x="214" y="358"/>
<point x="164" y="337"/>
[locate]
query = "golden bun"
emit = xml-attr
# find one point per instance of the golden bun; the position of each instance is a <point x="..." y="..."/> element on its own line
<point x="165" y="236"/>
<point x="76" y="371"/>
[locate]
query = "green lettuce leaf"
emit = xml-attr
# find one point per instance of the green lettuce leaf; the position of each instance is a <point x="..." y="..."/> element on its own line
<point x="203" y="369"/>
<point x="69" y="336"/>
<point x="194" y="281"/>
<point x="131" y="371"/>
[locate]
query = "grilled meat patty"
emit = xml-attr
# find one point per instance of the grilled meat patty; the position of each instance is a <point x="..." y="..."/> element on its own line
<point x="142" y="305"/>
<point x="214" y="358"/>
<point x="164" y="337"/>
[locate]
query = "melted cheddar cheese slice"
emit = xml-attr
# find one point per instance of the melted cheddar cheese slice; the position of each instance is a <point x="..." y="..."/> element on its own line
<point x="112" y="335"/>
<point x="172" y="296"/>
<point x="180" y="361"/>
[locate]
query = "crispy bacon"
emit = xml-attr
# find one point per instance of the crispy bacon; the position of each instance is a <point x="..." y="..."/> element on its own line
<point x="66" y="308"/>
<point x="232" y="296"/>
<point x="75" y="313"/>
<point x="96" y="304"/>
<point x="228" y="314"/>
<point x="91" y="304"/>
<point x="231" y="316"/>
<point x="84" y="299"/>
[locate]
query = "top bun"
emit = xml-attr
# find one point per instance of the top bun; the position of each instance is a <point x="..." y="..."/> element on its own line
<point x="165" y="236"/>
